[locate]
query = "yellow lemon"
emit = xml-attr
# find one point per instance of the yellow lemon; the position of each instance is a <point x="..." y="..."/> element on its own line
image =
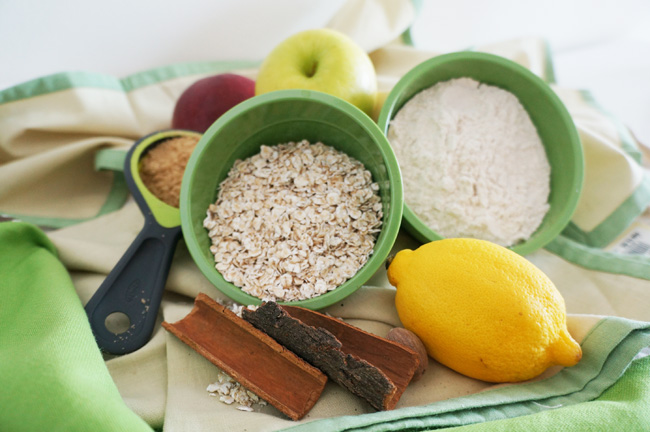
<point x="482" y="310"/>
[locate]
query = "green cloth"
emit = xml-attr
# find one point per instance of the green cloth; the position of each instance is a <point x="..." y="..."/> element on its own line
<point x="52" y="375"/>
<point x="623" y="407"/>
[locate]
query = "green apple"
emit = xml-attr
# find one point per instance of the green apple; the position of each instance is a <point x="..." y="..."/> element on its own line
<point x="324" y="60"/>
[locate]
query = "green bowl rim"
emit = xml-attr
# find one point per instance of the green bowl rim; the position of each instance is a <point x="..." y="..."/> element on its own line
<point x="425" y="234"/>
<point x="388" y="233"/>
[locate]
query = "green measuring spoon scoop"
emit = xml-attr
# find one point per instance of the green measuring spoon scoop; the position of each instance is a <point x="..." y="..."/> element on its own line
<point x="134" y="288"/>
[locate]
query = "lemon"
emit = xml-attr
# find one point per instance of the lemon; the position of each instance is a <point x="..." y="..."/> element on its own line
<point x="482" y="310"/>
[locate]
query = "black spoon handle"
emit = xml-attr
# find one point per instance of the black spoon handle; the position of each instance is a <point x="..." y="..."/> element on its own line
<point x="134" y="287"/>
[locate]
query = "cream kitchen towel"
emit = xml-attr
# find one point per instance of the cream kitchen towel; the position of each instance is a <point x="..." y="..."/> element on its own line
<point x="43" y="330"/>
<point x="62" y="138"/>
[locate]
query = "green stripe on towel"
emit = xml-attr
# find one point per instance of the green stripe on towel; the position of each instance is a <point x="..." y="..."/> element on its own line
<point x="600" y="260"/>
<point x="115" y="199"/>
<point x="608" y="350"/>
<point x="67" y="80"/>
<point x="617" y="221"/>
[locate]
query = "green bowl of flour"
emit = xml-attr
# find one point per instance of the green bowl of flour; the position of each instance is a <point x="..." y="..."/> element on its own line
<point x="482" y="187"/>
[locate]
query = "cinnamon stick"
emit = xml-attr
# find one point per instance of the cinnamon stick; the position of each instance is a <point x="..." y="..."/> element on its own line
<point x="250" y="356"/>
<point x="341" y="363"/>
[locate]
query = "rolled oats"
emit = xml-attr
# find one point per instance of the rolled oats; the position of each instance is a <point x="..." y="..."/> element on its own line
<point x="226" y="388"/>
<point x="294" y="221"/>
<point x="230" y="391"/>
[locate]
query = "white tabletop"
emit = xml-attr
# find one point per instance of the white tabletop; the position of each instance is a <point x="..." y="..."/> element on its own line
<point x="597" y="45"/>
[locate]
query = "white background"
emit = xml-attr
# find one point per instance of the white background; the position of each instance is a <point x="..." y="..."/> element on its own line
<point x="599" y="45"/>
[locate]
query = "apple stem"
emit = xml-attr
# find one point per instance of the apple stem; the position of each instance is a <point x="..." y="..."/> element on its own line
<point x="312" y="72"/>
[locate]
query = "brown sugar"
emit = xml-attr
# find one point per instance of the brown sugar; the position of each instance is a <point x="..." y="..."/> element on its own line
<point x="162" y="167"/>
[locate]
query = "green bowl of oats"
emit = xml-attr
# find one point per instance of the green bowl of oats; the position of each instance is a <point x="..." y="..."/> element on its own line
<point x="293" y="196"/>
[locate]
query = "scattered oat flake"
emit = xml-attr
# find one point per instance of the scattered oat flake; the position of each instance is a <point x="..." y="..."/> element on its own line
<point x="244" y="408"/>
<point x="230" y="391"/>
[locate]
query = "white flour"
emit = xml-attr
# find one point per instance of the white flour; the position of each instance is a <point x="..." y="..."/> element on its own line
<point x="472" y="162"/>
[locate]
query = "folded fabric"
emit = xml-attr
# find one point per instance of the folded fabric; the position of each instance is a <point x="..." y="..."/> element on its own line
<point x="63" y="374"/>
<point x="62" y="141"/>
<point x="620" y="408"/>
<point x="608" y="349"/>
<point x="53" y="376"/>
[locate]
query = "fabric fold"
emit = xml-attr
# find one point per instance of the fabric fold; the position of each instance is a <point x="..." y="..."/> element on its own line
<point x="51" y="371"/>
<point x="60" y="138"/>
<point x="608" y="349"/>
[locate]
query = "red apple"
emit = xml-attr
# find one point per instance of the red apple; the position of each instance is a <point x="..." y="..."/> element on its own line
<point x="202" y="103"/>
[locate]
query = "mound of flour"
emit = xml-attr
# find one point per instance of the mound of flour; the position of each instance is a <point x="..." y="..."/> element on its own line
<point x="472" y="162"/>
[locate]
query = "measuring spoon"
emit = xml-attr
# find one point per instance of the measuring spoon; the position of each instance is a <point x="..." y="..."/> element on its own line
<point x="133" y="289"/>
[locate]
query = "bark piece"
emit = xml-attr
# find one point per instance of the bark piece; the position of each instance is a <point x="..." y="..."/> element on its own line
<point x="345" y="365"/>
<point x="250" y="356"/>
<point x="398" y="362"/>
